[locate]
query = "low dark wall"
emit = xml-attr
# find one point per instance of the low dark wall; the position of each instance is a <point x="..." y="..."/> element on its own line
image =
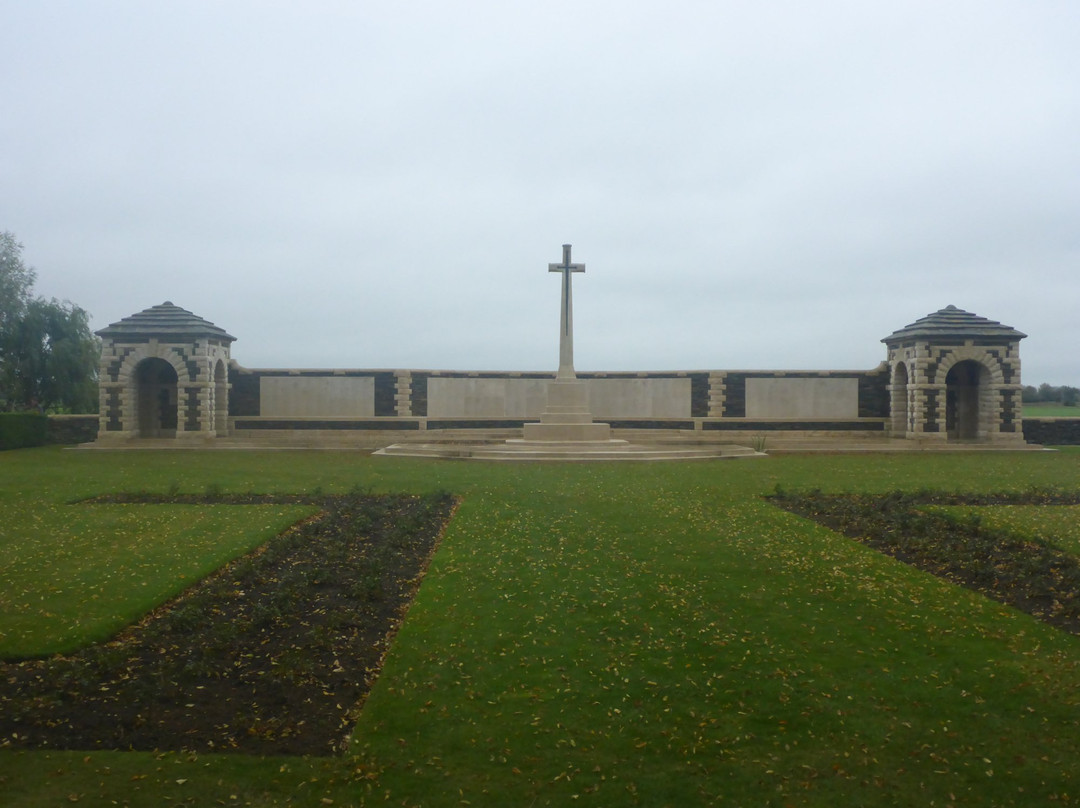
<point x="1052" y="431"/>
<point x="71" y="429"/>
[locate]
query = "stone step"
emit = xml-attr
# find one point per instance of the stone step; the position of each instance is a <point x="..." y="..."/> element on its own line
<point x="565" y="451"/>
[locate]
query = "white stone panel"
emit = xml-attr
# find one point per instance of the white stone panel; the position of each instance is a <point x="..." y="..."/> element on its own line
<point x="802" y="398"/>
<point x="639" y="398"/>
<point x="328" y="396"/>
<point x="526" y="398"/>
<point x="486" y="398"/>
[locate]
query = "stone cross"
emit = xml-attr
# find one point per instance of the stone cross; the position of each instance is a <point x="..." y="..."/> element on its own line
<point x="566" y="318"/>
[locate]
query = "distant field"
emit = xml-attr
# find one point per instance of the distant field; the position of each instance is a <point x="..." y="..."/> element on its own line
<point x="1050" y="411"/>
<point x="641" y="634"/>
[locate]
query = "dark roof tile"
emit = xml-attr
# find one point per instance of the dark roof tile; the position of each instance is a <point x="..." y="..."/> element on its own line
<point x="951" y="322"/>
<point x="168" y="321"/>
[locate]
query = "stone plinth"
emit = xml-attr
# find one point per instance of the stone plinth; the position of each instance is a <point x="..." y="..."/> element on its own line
<point x="566" y="417"/>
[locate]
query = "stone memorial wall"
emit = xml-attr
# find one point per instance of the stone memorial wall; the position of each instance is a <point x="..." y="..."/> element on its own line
<point x="168" y="374"/>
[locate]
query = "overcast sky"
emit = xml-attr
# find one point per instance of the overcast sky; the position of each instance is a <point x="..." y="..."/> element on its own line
<point x="382" y="184"/>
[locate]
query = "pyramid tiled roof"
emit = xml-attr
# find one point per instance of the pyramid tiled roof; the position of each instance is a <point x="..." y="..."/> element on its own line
<point x="953" y="323"/>
<point x="166" y="320"/>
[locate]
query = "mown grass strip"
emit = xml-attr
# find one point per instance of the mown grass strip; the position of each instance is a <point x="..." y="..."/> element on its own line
<point x="1056" y="524"/>
<point x="1027" y="572"/>
<point x="75" y="575"/>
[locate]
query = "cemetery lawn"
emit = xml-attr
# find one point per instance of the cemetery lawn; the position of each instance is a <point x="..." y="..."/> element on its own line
<point x="642" y="634"/>
<point x="1050" y="411"/>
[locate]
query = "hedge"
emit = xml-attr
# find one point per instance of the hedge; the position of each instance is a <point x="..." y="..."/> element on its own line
<point x="21" y="429"/>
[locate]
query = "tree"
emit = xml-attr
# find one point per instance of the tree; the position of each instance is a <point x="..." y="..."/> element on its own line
<point x="48" y="355"/>
<point x="1048" y="393"/>
<point x="16" y="283"/>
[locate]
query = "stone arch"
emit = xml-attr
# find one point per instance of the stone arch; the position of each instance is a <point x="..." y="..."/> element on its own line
<point x="143" y="392"/>
<point x="899" y="399"/>
<point x="156" y="398"/>
<point x="978" y="355"/>
<point x="971" y="379"/>
<point x="966" y="401"/>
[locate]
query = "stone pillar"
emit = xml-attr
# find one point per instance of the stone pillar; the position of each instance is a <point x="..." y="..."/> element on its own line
<point x="403" y="393"/>
<point x="717" y="394"/>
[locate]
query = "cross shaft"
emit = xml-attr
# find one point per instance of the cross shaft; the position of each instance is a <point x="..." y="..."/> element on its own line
<point x="566" y="316"/>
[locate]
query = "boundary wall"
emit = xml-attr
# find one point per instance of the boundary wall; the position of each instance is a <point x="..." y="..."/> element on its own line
<point x="711" y="404"/>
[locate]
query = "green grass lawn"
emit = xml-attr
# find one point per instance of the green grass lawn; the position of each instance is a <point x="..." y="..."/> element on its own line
<point x="78" y="574"/>
<point x="641" y="634"/>
<point x="1050" y="411"/>
<point x="1058" y="525"/>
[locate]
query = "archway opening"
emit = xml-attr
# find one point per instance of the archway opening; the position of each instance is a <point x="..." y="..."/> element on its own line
<point x="963" y="386"/>
<point x="156" y="393"/>
<point x="221" y="399"/>
<point x="898" y="404"/>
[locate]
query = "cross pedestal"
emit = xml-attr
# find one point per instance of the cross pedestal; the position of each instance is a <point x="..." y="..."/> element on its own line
<point x="566" y="416"/>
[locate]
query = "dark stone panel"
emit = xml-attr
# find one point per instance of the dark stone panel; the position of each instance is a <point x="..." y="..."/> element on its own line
<point x="418" y="397"/>
<point x="244" y="395"/>
<point x="1008" y="410"/>
<point x="191" y="410"/>
<point x="287" y="424"/>
<point x="190" y="365"/>
<point x="1056" y="432"/>
<point x="1007" y="373"/>
<point x="735" y="395"/>
<point x="931" y="411"/>
<point x="385" y="393"/>
<point x="699" y="395"/>
<point x="788" y="426"/>
<point x="874" y="394"/>
<point x="113" y="369"/>
<point x="494" y="423"/>
<point x="650" y="424"/>
<point x="114" y="411"/>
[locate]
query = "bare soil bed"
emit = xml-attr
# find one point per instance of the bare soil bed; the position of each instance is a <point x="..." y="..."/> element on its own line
<point x="271" y="655"/>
